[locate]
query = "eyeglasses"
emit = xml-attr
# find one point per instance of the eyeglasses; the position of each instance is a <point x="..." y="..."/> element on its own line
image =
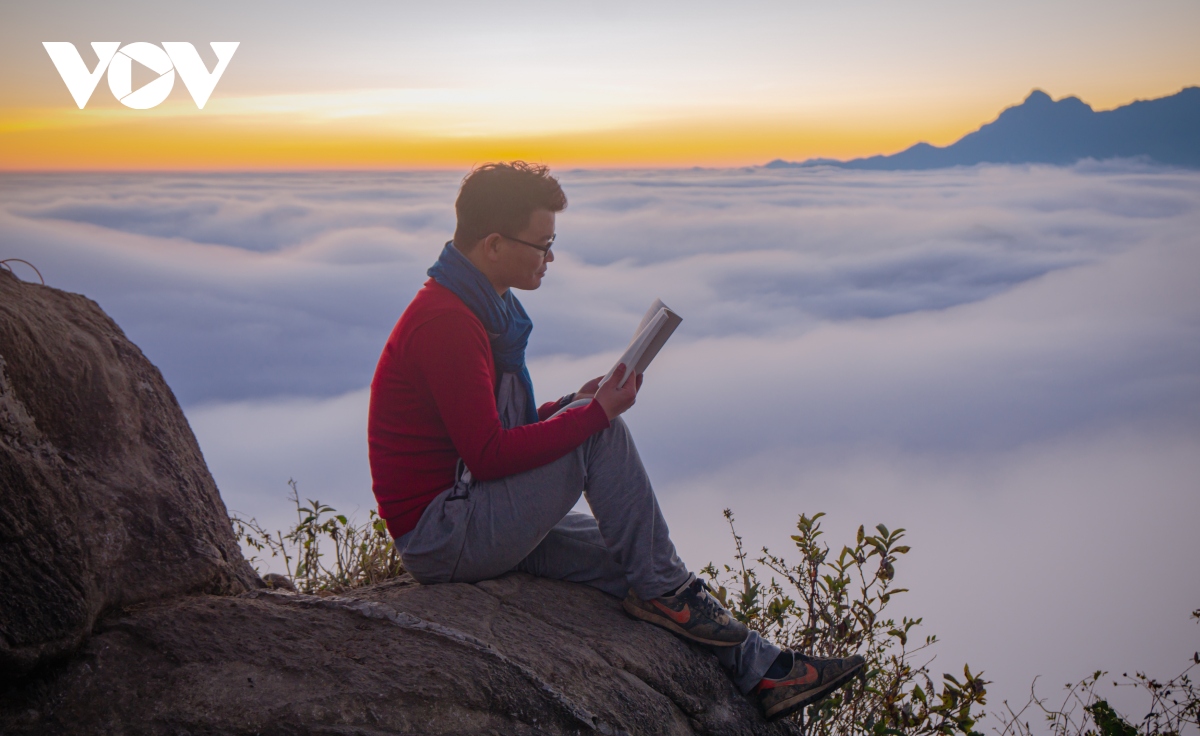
<point x="545" y="249"/>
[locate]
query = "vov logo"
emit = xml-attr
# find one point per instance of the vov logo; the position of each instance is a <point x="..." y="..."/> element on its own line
<point x="172" y="56"/>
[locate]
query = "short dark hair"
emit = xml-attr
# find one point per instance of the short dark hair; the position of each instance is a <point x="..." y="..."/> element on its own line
<point x="501" y="197"/>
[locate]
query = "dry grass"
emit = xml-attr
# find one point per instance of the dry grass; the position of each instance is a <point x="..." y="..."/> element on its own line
<point x="324" y="553"/>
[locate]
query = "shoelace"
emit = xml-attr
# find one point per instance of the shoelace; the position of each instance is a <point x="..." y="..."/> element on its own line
<point x="699" y="594"/>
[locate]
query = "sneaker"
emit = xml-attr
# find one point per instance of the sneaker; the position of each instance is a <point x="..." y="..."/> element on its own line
<point x="691" y="612"/>
<point x="810" y="679"/>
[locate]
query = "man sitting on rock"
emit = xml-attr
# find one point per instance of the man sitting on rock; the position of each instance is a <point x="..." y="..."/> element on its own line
<point x="475" y="480"/>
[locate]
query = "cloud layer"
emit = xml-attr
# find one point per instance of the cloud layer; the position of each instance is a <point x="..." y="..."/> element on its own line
<point x="244" y="286"/>
<point x="1004" y="360"/>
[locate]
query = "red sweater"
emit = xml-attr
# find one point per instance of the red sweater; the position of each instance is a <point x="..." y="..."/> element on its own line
<point x="433" y="400"/>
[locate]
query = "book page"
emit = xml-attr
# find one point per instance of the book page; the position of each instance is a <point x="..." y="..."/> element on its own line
<point x="653" y="310"/>
<point x="655" y="328"/>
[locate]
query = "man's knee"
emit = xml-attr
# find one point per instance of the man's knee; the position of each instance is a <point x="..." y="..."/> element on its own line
<point x="616" y="427"/>
<point x="618" y="431"/>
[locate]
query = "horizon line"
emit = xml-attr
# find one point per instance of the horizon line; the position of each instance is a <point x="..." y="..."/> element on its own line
<point x="626" y="149"/>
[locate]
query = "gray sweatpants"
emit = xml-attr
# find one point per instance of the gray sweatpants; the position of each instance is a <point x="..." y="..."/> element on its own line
<point x="478" y="530"/>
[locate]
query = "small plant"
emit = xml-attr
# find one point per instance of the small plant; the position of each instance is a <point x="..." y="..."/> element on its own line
<point x="1174" y="708"/>
<point x="361" y="554"/>
<point x="834" y="607"/>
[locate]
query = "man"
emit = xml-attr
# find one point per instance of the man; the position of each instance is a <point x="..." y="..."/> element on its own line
<point x="475" y="480"/>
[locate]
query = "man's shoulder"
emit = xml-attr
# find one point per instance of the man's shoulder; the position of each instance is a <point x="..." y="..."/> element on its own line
<point x="435" y="302"/>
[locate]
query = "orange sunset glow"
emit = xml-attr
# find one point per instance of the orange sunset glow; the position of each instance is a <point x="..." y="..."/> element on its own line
<point x="187" y="144"/>
<point x="386" y="88"/>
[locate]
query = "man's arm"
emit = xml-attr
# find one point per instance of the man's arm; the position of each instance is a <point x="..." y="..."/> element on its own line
<point x="547" y="410"/>
<point x="452" y="355"/>
<point x="588" y="390"/>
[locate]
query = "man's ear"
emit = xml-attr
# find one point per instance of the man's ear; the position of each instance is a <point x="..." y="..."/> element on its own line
<point x="491" y="246"/>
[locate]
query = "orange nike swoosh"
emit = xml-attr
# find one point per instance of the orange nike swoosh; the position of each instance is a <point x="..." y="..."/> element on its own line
<point x="679" y="617"/>
<point x="808" y="678"/>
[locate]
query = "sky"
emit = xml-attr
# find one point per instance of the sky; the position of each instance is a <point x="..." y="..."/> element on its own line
<point x="386" y="85"/>
<point x="1003" y="360"/>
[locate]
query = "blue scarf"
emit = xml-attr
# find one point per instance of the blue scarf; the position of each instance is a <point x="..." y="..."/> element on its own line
<point x="503" y="317"/>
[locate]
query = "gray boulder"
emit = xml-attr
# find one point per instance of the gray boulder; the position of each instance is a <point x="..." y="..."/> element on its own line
<point x="105" y="500"/>
<point x="516" y="655"/>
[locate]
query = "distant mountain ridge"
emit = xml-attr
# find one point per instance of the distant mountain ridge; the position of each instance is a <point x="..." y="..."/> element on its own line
<point x="1040" y="130"/>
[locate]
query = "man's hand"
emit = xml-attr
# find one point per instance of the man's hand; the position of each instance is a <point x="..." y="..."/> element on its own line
<point x="616" y="401"/>
<point x="589" y="388"/>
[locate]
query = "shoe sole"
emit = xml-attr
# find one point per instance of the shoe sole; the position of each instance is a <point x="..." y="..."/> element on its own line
<point x="787" y="707"/>
<point x="670" y="625"/>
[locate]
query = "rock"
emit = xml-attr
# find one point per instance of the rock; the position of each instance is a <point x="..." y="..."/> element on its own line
<point x="105" y="500"/>
<point x="516" y="655"/>
<point x="281" y="582"/>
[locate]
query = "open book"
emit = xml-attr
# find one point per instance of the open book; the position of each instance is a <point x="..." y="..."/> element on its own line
<point x="648" y="339"/>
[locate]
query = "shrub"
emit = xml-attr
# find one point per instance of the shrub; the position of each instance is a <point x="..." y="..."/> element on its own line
<point x="834" y="607"/>
<point x="1174" y="707"/>
<point x="361" y="554"/>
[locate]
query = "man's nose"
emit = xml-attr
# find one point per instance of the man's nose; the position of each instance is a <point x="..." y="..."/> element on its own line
<point x="549" y="256"/>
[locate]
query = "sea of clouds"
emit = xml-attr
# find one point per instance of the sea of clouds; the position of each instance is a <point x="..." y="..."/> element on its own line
<point x="1005" y="361"/>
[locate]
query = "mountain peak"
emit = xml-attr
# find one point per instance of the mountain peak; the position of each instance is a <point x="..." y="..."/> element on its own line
<point x="1038" y="97"/>
<point x="1039" y="103"/>
<point x="1042" y="130"/>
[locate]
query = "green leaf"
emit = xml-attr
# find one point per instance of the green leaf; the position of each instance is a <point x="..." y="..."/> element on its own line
<point x="1109" y="721"/>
